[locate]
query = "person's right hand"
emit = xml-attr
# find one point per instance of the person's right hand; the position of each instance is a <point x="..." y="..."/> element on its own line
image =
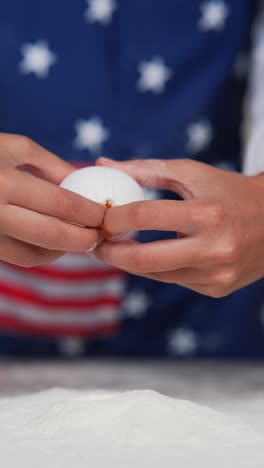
<point x="39" y="221"/>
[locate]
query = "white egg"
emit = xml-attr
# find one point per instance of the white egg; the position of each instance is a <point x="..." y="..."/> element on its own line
<point x="104" y="185"/>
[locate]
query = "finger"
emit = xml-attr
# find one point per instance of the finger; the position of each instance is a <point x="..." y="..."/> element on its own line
<point x="163" y="215"/>
<point x="203" y="289"/>
<point x="180" y="175"/>
<point x="148" y="173"/>
<point x="20" y="151"/>
<point x="154" y="256"/>
<point x="43" y="231"/>
<point x="49" y="199"/>
<point x="19" y="253"/>
<point x="183" y="276"/>
<point x="164" y="277"/>
<point x="203" y="286"/>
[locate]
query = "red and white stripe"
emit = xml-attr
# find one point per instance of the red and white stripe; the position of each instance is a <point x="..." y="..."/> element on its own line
<point x="74" y="296"/>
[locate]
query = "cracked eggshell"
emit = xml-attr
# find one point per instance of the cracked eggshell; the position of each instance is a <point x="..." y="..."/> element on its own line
<point x="104" y="184"/>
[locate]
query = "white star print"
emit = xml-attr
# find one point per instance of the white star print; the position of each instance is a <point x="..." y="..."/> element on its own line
<point x="37" y="58"/>
<point x="91" y="134"/>
<point x="71" y="346"/>
<point x="214" y="15"/>
<point x="135" y="304"/>
<point x="154" y="75"/>
<point x="182" y="342"/>
<point x="200" y="135"/>
<point x="100" y="10"/>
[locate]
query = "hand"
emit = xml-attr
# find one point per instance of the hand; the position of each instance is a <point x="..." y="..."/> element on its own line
<point x="221" y="226"/>
<point x="39" y="221"/>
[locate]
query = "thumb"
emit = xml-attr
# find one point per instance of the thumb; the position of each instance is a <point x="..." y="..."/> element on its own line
<point x="182" y="176"/>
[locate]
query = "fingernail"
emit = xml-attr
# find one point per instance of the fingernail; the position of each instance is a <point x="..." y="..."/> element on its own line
<point x="105" y="160"/>
<point x="92" y="247"/>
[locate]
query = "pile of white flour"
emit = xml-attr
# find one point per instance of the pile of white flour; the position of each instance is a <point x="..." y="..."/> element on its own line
<point x="139" y="429"/>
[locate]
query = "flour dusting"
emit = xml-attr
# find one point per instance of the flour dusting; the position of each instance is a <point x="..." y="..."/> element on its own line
<point x="142" y="429"/>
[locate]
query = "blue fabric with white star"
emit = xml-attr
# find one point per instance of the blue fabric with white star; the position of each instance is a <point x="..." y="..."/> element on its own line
<point x="137" y="79"/>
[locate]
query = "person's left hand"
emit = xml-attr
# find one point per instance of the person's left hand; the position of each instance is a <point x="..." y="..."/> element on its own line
<point x="221" y="224"/>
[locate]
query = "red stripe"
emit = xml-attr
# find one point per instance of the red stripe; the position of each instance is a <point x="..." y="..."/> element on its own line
<point x="20" y="326"/>
<point x="29" y="297"/>
<point x="81" y="164"/>
<point x="71" y="275"/>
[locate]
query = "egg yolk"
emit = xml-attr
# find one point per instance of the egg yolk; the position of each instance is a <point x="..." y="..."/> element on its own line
<point x="108" y="204"/>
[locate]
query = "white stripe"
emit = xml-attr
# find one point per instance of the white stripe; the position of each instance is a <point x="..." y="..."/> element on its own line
<point x="34" y="315"/>
<point x="55" y="310"/>
<point x="78" y="262"/>
<point x="59" y="288"/>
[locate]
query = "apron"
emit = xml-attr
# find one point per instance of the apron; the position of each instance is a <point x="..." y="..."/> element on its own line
<point x="144" y="79"/>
